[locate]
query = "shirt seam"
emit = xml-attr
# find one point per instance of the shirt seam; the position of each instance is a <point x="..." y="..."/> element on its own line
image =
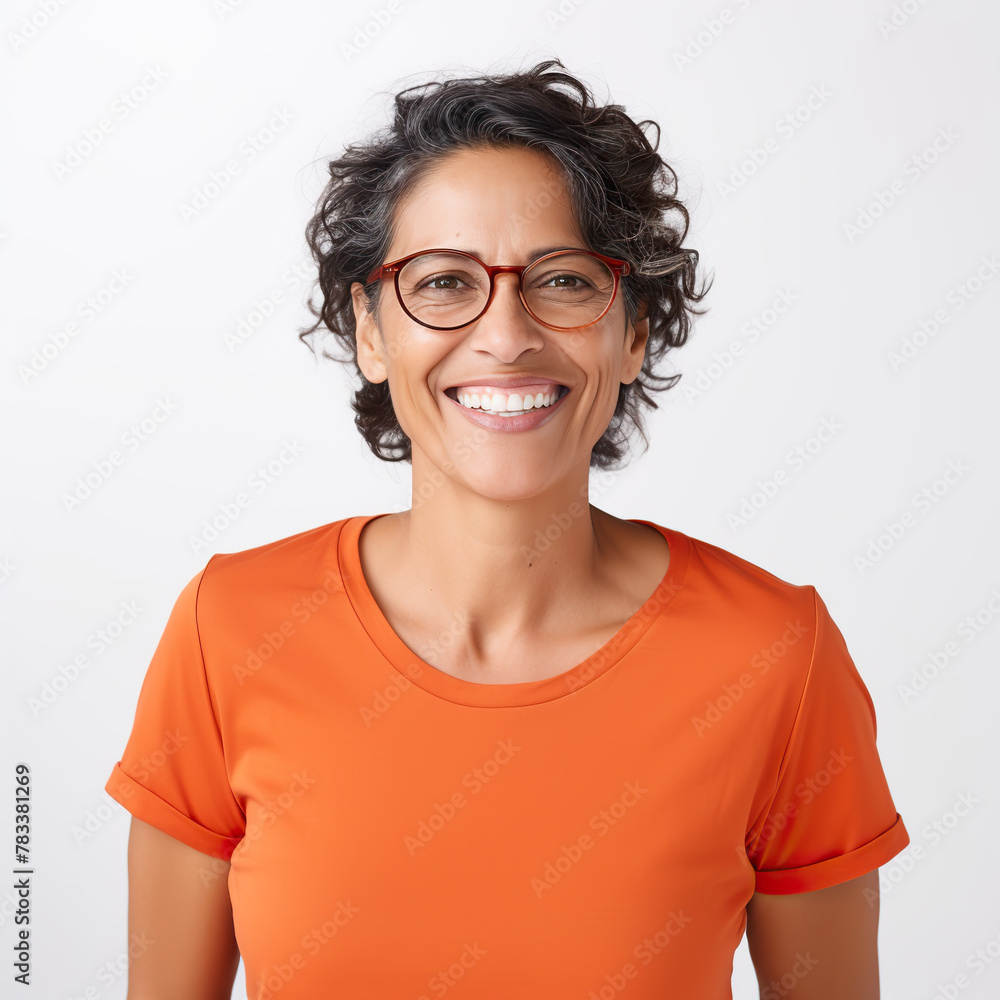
<point x="634" y="640"/>
<point x="791" y="733"/>
<point x="208" y="687"/>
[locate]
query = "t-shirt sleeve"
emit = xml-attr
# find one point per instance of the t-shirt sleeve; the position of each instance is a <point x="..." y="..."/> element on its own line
<point x="832" y="817"/>
<point x="172" y="773"/>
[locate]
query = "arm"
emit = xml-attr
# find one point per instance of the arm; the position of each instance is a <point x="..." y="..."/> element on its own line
<point x="180" y="920"/>
<point x="826" y="941"/>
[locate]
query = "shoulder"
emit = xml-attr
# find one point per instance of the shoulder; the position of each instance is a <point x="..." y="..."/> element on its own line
<point x="757" y="636"/>
<point x="747" y="580"/>
<point x="744" y="599"/>
<point x="275" y="572"/>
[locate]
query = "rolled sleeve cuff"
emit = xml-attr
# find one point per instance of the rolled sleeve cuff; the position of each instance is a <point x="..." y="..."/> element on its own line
<point x="150" y="808"/>
<point x="833" y="871"/>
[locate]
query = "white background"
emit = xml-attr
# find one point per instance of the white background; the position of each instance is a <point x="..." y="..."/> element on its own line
<point x="859" y="296"/>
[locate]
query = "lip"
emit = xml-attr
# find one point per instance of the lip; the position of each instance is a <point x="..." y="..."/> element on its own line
<point x="506" y="381"/>
<point x="524" y="422"/>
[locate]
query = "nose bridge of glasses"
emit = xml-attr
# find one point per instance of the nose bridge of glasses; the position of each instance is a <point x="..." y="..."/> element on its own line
<point x="517" y="271"/>
<point x="514" y="270"/>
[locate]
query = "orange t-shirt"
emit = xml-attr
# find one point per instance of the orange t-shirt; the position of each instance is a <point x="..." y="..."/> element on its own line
<point x="395" y="831"/>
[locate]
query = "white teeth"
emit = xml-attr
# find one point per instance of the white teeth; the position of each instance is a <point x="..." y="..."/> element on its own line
<point x="514" y="403"/>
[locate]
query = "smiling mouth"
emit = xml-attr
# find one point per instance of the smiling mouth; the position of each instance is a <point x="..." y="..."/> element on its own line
<point x="500" y="402"/>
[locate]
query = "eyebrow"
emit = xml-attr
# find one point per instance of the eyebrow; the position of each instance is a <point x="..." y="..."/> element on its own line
<point x="532" y="254"/>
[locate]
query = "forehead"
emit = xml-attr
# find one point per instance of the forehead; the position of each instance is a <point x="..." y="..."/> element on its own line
<point x="487" y="200"/>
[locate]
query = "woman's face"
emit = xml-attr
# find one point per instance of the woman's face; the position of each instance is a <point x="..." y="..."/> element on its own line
<point x="505" y="206"/>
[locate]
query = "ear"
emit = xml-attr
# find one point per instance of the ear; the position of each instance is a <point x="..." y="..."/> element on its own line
<point x="634" y="347"/>
<point x="371" y="349"/>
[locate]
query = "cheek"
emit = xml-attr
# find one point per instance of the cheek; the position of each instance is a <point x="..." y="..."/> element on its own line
<point x="412" y="358"/>
<point x="599" y="364"/>
<point x="606" y="397"/>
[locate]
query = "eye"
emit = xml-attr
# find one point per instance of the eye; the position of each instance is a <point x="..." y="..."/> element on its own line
<point x="445" y="282"/>
<point x="562" y="279"/>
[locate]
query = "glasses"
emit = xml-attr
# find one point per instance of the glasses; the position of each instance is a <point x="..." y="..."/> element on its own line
<point x="448" y="289"/>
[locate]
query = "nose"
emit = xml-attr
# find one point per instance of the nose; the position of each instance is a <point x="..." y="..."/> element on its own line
<point x="506" y="293"/>
<point x="506" y="329"/>
<point x="506" y="305"/>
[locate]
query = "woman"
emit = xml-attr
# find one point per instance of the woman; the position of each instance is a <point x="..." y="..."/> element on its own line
<point x="502" y="742"/>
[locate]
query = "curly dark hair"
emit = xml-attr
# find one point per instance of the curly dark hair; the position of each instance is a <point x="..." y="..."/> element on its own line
<point x="623" y="193"/>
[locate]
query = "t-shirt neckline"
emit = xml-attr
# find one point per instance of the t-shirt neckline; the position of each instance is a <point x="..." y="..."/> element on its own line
<point x="472" y="693"/>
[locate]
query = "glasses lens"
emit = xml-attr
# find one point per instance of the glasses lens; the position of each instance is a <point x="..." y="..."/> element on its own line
<point x="447" y="290"/>
<point x="569" y="289"/>
<point x="444" y="289"/>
